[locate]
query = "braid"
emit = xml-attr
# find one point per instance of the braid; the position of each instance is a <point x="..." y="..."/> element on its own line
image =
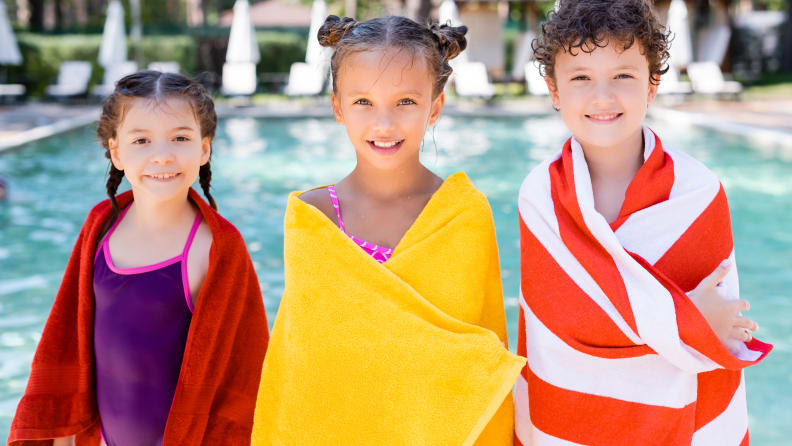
<point x="205" y="179"/>
<point x="114" y="178"/>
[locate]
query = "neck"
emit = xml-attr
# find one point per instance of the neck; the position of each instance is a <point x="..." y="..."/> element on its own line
<point x="159" y="215"/>
<point x="619" y="162"/>
<point x="391" y="184"/>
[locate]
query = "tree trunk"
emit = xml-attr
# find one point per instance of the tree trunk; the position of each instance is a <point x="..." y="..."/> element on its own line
<point x="786" y="61"/>
<point x="418" y="10"/>
<point x="36" y="15"/>
<point x="350" y="8"/>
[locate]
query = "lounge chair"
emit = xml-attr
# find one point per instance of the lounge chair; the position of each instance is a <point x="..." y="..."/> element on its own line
<point x="239" y="79"/>
<point x="470" y="80"/>
<point x="305" y="79"/>
<point x="11" y="92"/>
<point x="73" y="80"/>
<point x="534" y="81"/>
<point x="112" y="75"/>
<point x="670" y="83"/>
<point x="165" y="67"/>
<point x="707" y="78"/>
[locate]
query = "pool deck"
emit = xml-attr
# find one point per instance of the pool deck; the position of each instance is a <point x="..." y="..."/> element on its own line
<point x="765" y="121"/>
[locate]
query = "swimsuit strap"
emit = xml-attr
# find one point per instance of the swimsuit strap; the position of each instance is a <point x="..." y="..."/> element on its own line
<point x="334" y="199"/>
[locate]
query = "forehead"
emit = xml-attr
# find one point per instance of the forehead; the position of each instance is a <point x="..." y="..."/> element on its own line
<point x="153" y="114"/>
<point x="384" y="70"/>
<point x="612" y="55"/>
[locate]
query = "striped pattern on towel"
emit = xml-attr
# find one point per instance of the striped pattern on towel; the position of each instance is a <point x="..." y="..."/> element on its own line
<point x="617" y="353"/>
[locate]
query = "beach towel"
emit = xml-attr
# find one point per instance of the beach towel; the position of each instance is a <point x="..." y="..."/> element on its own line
<point x="216" y="392"/>
<point x="407" y="352"/>
<point x="617" y="353"/>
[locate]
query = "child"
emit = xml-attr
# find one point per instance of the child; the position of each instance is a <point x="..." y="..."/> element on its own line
<point x="391" y="330"/>
<point x="615" y="230"/>
<point x="158" y="331"/>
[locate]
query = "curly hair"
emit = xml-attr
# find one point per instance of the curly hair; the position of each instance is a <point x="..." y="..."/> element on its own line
<point x="156" y="86"/>
<point x="438" y="43"/>
<point x="586" y="25"/>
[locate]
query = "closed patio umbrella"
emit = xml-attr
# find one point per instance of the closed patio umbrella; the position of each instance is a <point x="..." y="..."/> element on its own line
<point x="242" y="45"/>
<point x="316" y="54"/>
<point x="9" y="51"/>
<point x="113" y="49"/>
<point x="681" y="47"/>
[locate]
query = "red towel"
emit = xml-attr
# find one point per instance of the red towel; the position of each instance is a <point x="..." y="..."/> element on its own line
<point x="216" y="393"/>
<point x="617" y="353"/>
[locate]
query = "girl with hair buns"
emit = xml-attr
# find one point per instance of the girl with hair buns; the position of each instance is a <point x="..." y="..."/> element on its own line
<point x="158" y="331"/>
<point x="391" y="330"/>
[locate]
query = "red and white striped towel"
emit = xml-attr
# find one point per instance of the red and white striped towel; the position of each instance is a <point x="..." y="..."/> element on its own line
<point x="617" y="353"/>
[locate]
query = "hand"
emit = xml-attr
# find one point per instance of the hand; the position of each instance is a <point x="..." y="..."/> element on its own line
<point x="723" y="314"/>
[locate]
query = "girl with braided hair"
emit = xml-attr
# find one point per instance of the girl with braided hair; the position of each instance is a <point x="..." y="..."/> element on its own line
<point x="158" y="331"/>
<point x="391" y="330"/>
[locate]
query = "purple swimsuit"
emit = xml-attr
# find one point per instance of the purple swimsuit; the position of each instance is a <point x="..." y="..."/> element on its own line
<point x="140" y="330"/>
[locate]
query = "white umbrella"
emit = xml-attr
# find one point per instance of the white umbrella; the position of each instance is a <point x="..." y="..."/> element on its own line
<point x="113" y="49"/>
<point x="681" y="48"/>
<point x="9" y="51"/>
<point x="242" y="45"/>
<point x="316" y="54"/>
<point x="448" y="14"/>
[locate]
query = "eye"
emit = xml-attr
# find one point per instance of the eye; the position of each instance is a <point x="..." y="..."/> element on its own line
<point x="406" y="101"/>
<point x="581" y="77"/>
<point x="181" y="138"/>
<point x="363" y="102"/>
<point x="140" y="141"/>
<point x="624" y="76"/>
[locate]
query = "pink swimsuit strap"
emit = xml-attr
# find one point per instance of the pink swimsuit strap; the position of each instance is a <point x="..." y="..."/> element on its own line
<point x="380" y="253"/>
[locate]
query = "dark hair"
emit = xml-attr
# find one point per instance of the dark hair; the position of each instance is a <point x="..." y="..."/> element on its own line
<point x="590" y="24"/>
<point x="154" y="85"/>
<point x="437" y="43"/>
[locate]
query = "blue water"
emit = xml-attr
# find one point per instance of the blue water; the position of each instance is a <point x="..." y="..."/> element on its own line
<point x="55" y="182"/>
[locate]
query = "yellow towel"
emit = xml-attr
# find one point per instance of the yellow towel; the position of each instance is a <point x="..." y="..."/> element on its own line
<point x="400" y="353"/>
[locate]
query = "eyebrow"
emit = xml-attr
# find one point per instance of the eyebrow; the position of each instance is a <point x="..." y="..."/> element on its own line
<point x="404" y="93"/>
<point x="175" y="129"/>
<point x="585" y="68"/>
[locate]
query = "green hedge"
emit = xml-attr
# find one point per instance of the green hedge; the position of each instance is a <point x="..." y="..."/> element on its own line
<point x="44" y="53"/>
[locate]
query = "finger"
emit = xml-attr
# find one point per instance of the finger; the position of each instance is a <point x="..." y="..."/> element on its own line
<point x="718" y="275"/>
<point x="740" y="334"/>
<point x="740" y="305"/>
<point x="744" y="322"/>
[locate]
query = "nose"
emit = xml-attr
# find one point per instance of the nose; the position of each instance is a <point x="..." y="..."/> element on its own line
<point x="383" y="123"/>
<point x="603" y="93"/>
<point x="162" y="153"/>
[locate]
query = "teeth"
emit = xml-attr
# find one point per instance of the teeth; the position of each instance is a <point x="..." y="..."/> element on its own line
<point x="605" y="117"/>
<point x="385" y="145"/>
<point x="163" y="176"/>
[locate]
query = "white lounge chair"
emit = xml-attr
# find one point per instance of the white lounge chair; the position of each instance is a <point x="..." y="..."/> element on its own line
<point x="707" y="78"/>
<point x="73" y="80"/>
<point x="670" y="83"/>
<point x="305" y="79"/>
<point x="470" y="80"/>
<point x="113" y="74"/>
<point x="165" y="67"/>
<point x="239" y="79"/>
<point x="11" y="92"/>
<point x="534" y="81"/>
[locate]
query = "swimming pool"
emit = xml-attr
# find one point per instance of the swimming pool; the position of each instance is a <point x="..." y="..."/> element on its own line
<point x="54" y="182"/>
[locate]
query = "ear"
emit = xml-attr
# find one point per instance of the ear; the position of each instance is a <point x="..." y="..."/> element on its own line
<point x="112" y="146"/>
<point x="437" y="108"/>
<point x="653" y="90"/>
<point x="337" y="108"/>
<point x="206" y="149"/>
<point x="551" y="87"/>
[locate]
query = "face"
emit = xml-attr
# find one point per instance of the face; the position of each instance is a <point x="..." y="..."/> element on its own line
<point x="159" y="148"/>
<point x="384" y="98"/>
<point x="603" y="95"/>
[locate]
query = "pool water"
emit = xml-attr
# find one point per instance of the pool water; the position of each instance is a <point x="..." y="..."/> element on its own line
<point x="55" y="182"/>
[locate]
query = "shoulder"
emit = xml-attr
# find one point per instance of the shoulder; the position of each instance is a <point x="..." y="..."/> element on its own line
<point x="690" y="174"/>
<point x="320" y="199"/>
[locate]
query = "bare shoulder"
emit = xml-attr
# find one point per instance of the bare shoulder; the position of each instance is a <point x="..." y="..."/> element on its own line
<point x="320" y="199"/>
<point x="198" y="259"/>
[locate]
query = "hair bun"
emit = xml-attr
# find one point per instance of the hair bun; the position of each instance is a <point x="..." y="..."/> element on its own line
<point x="450" y="39"/>
<point x="333" y="29"/>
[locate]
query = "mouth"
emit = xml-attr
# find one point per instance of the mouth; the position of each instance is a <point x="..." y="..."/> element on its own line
<point x="604" y="118"/>
<point x="163" y="177"/>
<point x="386" y="147"/>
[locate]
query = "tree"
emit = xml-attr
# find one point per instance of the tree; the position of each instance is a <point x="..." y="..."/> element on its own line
<point x="786" y="62"/>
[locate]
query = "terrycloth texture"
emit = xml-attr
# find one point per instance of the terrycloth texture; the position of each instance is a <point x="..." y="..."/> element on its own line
<point x="215" y="395"/>
<point x="408" y="352"/>
<point x="617" y="353"/>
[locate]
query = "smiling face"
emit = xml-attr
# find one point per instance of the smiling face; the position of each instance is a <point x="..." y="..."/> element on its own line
<point x="384" y="98"/>
<point x="603" y="94"/>
<point x="159" y="147"/>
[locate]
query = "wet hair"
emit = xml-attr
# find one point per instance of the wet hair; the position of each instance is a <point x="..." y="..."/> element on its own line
<point x="436" y="43"/>
<point x="156" y="86"/>
<point x="585" y="25"/>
